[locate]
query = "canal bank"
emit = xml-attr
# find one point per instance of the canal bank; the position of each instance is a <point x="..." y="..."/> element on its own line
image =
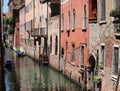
<point x="31" y="75"/>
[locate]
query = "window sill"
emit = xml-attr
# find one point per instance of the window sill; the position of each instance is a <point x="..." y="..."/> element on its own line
<point x="73" y="63"/>
<point x="114" y="79"/>
<point x="115" y="20"/>
<point x="68" y="30"/>
<point x="62" y="30"/>
<point x="102" y="22"/>
<point x="73" y="29"/>
<point x="84" y="29"/>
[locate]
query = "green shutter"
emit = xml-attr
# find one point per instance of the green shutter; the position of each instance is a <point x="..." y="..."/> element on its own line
<point x="115" y="62"/>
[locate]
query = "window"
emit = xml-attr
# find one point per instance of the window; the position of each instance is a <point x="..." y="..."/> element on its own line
<point x="115" y="60"/>
<point x="82" y="54"/>
<point x="73" y="20"/>
<point x="93" y="9"/>
<point x="66" y="45"/>
<point x="73" y="52"/>
<point x="62" y="27"/>
<point x="117" y="27"/>
<point x="102" y="56"/>
<point x="84" y="18"/>
<point x="50" y="44"/>
<point x="27" y="9"/>
<point x="62" y="52"/>
<point x="103" y="10"/>
<point x="56" y="45"/>
<point x="69" y="20"/>
<point x="116" y="3"/>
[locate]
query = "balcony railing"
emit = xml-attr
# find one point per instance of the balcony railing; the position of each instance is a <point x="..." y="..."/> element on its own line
<point x="43" y="31"/>
<point x="35" y="32"/>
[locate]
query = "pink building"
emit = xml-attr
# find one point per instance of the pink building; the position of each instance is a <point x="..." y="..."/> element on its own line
<point x="74" y="37"/>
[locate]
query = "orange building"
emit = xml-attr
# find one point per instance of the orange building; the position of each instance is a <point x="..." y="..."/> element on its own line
<point x="74" y="37"/>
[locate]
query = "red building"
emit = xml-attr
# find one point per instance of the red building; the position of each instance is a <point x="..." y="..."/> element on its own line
<point x="14" y="6"/>
<point x="74" y="37"/>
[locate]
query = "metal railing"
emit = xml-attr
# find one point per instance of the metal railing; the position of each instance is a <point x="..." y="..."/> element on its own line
<point x="43" y="31"/>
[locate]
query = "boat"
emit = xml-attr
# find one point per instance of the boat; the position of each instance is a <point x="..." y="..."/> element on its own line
<point x="20" y="53"/>
<point x="8" y="64"/>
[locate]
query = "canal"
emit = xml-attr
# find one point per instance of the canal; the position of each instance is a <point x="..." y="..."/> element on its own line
<point x="27" y="75"/>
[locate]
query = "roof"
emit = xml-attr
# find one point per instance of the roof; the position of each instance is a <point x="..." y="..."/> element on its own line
<point x="8" y="14"/>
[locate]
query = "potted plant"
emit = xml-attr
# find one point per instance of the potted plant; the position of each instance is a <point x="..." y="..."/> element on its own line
<point x="97" y="80"/>
<point x="101" y="66"/>
<point x="115" y="12"/>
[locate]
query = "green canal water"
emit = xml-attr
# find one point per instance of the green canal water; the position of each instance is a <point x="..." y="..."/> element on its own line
<point x="27" y="75"/>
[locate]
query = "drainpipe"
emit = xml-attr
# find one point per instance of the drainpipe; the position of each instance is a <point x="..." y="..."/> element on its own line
<point x="46" y="39"/>
<point x="59" y="33"/>
<point x="34" y="26"/>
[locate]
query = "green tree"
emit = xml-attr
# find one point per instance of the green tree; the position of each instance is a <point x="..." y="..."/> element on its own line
<point x="9" y="21"/>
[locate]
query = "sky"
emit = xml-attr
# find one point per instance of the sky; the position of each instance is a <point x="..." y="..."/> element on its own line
<point x="5" y="7"/>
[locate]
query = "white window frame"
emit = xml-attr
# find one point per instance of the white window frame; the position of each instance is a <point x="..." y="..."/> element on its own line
<point x="62" y="25"/>
<point x="84" y="18"/>
<point x="73" y="19"/>
<point x="68" y="21"/>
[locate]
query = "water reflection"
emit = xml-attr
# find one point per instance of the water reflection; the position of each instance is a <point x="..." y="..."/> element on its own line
<point x="27" y="75"/>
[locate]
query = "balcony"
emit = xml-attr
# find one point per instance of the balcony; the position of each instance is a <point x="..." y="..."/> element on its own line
<point x="35" y="32"/>
<point x="43" y="32"/>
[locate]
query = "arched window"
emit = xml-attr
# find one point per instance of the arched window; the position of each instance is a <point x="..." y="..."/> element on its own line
<point x="50" y="44"/>
<point x="62" y="51"/>
<point x="56" y="45"/>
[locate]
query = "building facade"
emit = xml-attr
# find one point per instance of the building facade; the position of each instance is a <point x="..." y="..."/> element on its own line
<point x="54" y="33"/>
<point x="104" y="42"/>
<point x="74" y="38"/>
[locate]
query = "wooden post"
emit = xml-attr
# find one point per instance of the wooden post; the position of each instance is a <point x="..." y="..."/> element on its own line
<point x="117" y="83"/>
